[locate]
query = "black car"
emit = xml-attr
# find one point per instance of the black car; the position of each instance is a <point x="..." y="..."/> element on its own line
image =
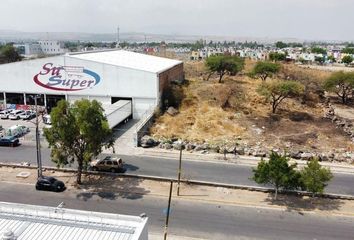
<point x="9" y="141"/>
<point x="50" y="184"/>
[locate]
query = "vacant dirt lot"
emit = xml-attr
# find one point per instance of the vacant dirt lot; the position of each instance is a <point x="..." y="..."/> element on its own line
<point x="233" y="111"/>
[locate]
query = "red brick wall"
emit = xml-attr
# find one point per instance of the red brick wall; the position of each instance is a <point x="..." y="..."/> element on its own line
<point x="165" y="78"/>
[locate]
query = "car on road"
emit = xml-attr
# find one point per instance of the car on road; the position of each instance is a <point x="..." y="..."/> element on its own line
<point x="9" y="141"/>
<point x="27" y="115"/>
<point x="15" y="114"/>
<point x="108" y="164"/>
<point x="4" y="114"/>
<point x="50" y="184"/>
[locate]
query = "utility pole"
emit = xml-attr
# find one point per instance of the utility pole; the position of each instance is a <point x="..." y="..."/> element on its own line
<point x="179" y="170"/>
<point x="168" y="211"/>
<point x="38" y="144"/>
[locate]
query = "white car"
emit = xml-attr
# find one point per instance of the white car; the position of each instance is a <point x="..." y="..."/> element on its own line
<point x="47" y="120"/>
<point x="4" y="114"/>
<point x="17" y="130"/>
<point x="26" y="115"/>
<point x="15" y="114"/>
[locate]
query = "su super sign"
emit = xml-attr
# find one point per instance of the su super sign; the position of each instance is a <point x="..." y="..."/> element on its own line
<point x="66" y="78"/>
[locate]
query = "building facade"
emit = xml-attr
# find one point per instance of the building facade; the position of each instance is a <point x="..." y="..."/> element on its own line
<point x="108" y="77"/>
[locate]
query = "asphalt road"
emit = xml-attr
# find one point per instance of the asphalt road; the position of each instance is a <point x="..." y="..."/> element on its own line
<point x="193" y="170"/>
<point x="195" y="219"/>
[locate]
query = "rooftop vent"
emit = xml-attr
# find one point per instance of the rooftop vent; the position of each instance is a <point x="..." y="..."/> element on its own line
<point x="7" y="235"/>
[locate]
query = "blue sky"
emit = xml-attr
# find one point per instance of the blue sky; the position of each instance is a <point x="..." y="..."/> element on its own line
<point x="304" y="19"/>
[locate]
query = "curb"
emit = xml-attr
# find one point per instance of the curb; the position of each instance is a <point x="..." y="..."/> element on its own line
<point x="192" y="182"/>
<point x="244" y="160"/>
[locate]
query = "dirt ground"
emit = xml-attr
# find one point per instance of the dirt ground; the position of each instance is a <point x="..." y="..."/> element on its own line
<point x="233" y="111"/>
<point x="132" y="188"/>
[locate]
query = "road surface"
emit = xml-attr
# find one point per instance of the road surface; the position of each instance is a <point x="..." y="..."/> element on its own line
<point x="229" y="173"/>
<point x="193" y="218"/>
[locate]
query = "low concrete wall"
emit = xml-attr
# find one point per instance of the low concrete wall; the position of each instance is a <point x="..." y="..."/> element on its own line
<point x="143" y="127"/>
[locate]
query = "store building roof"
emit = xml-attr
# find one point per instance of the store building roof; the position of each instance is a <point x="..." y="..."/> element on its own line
<point x="29" y="222"/>
<point x="129" y="59"/>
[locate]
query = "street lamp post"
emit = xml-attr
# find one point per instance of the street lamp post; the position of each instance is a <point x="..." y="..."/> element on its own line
<point x="38" y="144"/>
<point x="168" y="211"/>
<point x="179" y="170"/>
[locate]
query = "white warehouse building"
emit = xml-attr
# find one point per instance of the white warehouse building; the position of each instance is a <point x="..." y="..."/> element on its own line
<point x="31" y="222"/>
<point x="116" y="78"/>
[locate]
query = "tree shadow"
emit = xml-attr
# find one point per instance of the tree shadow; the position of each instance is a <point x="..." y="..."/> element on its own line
<point x="111" y="188"/>
<point x="295" y="202"/>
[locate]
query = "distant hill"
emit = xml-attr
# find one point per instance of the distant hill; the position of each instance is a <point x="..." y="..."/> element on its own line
<point x="17" y="36"/>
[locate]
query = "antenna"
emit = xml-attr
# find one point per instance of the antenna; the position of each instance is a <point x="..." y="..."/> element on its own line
<point x="117" y="37"/>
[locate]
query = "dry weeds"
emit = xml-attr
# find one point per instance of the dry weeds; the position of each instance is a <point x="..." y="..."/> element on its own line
<point x="213" y="112"/>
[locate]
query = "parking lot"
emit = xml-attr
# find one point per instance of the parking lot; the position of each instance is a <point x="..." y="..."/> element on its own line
<point x="30" y="136"/>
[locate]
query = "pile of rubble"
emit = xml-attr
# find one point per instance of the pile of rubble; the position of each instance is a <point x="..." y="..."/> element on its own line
<point x="338" y="155"/>
<point x="344" y="124"/>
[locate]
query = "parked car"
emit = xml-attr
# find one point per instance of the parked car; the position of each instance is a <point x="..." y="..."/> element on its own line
<point x="108" y="163"/>
<point x="4" y="114"/>
<point x="50" y="184"/>
<point x="15" y="114"/>
<point x="27" y="115"/>
<point x="47" y="119"/>
<point x="9" y="141"/>
<point x="17" y="130"/>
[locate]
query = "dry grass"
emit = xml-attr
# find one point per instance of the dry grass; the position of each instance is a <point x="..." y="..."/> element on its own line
<point x="213" y="112"/>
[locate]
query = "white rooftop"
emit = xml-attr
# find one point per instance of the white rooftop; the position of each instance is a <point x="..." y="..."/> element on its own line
<point x="28" y="222"/>
<point x="128" y="59"/>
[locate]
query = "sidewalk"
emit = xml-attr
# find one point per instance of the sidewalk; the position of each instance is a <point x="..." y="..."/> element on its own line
<point x="127" y="149"/>
<point x="123" y="187"/>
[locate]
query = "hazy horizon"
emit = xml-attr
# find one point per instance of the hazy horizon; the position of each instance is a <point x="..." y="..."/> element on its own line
<point x="300" y="19"/>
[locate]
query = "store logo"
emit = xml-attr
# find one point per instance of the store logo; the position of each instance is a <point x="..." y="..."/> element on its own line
<point x="66" y="78"/>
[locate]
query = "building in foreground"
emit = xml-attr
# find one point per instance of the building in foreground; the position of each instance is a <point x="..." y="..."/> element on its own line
<point x="106" y="76"/>
<point x="29" y="222"/>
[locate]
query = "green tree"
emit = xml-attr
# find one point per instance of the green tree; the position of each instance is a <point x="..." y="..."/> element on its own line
<point x="296" y="45"/>
<point x="331" y="59"/>
<point x="347" y="59"/>
<point x="224" y="65"/>
<point x="9" y="54"/>
<point x="276" y="91"/>
<point x="340" y="83"/>
<point x="314" y="177"/>
<point x="78" y="132"/>
<point x="277" y="172"/>
<point x="319" y="50"/>
<point x="265" y="69"/>
<point x="276" y="57"/>
<point x="348" y="50"/>
<point x="319" y="60"/>
<point x="281" y="45"/>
